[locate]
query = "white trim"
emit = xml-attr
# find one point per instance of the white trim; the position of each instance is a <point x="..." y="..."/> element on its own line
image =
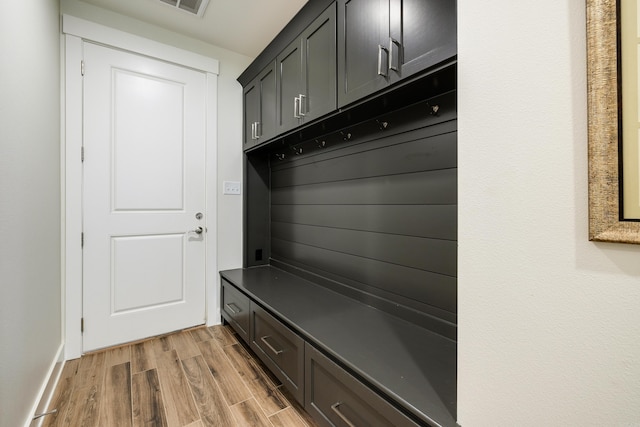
<point x="88" y="30"/>
<point x="213" y="303"/>
<point x="48" y="387"/>
<point x="76" y="31"/>
<point x="72" y="168"/>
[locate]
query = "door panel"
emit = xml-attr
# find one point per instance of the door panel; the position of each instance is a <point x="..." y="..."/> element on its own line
<point x="148" y="135"/>
<point x="319" y="44"/>
<point x="251" y="113"/>
<point x="144" y="182"/>
<point x="289" y="65"/>
<point x="425" y="31"/>
<point x="147" y="271"/>
<point x="268" y="103"/>
<point x="363" y="27"/>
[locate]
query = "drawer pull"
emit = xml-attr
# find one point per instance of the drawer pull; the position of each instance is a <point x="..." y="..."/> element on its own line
<point x="264" y="340"/>
<point x="232" y="310"/>
<point x="335" y="408"/>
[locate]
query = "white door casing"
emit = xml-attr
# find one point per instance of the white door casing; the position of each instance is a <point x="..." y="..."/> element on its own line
<point x="143" y="197"/>
<point x="76" y="31"/>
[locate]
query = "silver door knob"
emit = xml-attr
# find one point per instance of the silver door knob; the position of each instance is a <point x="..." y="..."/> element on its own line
<point x="198" y="230"/>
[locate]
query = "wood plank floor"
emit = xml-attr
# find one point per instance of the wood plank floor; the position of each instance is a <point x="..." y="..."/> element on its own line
<point x="196" y="378"/>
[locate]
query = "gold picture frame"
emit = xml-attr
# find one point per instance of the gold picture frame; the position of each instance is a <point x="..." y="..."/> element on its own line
<point x="604" y="109"/>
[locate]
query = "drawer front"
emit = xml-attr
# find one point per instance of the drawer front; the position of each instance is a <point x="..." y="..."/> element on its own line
<point x="335" y="398"/>
<point x="280" y="349"/>
<point x="235" y="308"/>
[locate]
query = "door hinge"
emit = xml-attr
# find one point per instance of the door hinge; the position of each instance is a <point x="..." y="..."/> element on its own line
<point x="82" y="324"/>
<point x="82" y="154"/>
<point x="82" y="68"/>
<point x="82" y="240"/>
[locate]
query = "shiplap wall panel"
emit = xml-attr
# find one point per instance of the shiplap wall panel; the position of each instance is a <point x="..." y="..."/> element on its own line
<point x="421" y="188"/>
<point x="378" y="213"/>
<point x="433" y="221"/>
<point x="415" y="155"/>
<point x="435" y="255"/>
<point x="429" y="288"/>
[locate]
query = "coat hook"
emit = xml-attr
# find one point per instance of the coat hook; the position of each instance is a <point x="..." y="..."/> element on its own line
<point x="346" y="136"/>
<point x="382" y="125"/>
<point x="321" y="144"/>
<point x="280" y="156"/>
<point x="297" y="150"/>
<point x="434" y="109"/>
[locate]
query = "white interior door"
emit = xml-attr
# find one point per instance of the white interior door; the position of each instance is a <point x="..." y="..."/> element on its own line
<point x="143" y="197"/>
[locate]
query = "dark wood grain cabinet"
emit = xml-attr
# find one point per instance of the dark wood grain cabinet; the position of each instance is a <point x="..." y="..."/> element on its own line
<point x="335" y="398"/>
<point x="353" y="49"/>
<point x="348" y="288"/>
<point x="381" y="42"/>
<point x="235" y="308"/>
<point x="306" y="72"/>
<point x="280" y="349"/>
<point x="260" y="108"/>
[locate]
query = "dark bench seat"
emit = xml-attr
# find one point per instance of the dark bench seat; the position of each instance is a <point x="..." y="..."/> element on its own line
<point x="410" y="366"/>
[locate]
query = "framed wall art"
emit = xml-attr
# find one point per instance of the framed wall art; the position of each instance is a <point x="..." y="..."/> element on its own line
<point x="613" y="32"/>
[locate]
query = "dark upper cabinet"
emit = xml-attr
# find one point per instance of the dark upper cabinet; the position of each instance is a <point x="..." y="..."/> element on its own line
<point x="260" y="108"/>
<point x="345" y="55"/>
<point x="251" y="101"/>
<point x="422" y="34"/>
<point x="363" y="34"/>
<point x="307" y="74"/>
<point x="289" y="70"/>
<point x="381" y="42"/>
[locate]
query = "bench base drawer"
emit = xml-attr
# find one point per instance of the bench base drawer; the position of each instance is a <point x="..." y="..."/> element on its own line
<point x="235" y="309"/>
<point x="333" y="397"/>
<point x="280" y="349"/>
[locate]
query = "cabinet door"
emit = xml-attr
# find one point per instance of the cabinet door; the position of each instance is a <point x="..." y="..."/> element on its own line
<point x="319" y="66"/>
<point x="363" y="38"/>
<point x="422" y="34"/>
<point x="251" y="104"/>
<point x="289" y="69"/>
<point x="267" y="83"/>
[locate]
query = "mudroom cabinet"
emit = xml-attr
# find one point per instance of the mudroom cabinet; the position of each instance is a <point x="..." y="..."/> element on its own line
<point x="306" y="72"/>
<point x="381" y="42"/>
<point x="348" y="290"/>
<point x="259" y="100"/>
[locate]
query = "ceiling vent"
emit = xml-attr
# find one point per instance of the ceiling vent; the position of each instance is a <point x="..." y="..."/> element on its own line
<point x="194" y="7"/>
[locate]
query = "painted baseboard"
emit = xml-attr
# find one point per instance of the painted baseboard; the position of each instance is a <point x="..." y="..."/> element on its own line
<point x="45" y="394"/>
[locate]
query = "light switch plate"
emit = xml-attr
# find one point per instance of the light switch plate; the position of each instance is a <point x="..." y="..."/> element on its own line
<point x="231" y="187"/>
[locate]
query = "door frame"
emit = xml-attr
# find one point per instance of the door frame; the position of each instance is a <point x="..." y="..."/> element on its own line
<point x="75" y="31"/>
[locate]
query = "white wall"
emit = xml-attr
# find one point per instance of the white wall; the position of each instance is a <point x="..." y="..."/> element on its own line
<point x="229" y="117"/>
<point x="549" y="323"/>
<point x="30" y="324"/>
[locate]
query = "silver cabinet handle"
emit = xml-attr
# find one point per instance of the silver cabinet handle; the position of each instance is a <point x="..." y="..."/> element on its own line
<point x="296" y="107"/>
<point x="335" y="408"/>
<point x="230" y="307"/>
<point x="253" y="130"/>
<point x="264" y="340"/>
<point x="382" y="72"/>
<point x="301" y="105"/>
<point x="395" y="42"/>
<point x="258" y="130"/>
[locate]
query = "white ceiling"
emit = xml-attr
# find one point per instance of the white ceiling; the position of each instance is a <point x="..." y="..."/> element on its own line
<point x="242" y="26"/>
